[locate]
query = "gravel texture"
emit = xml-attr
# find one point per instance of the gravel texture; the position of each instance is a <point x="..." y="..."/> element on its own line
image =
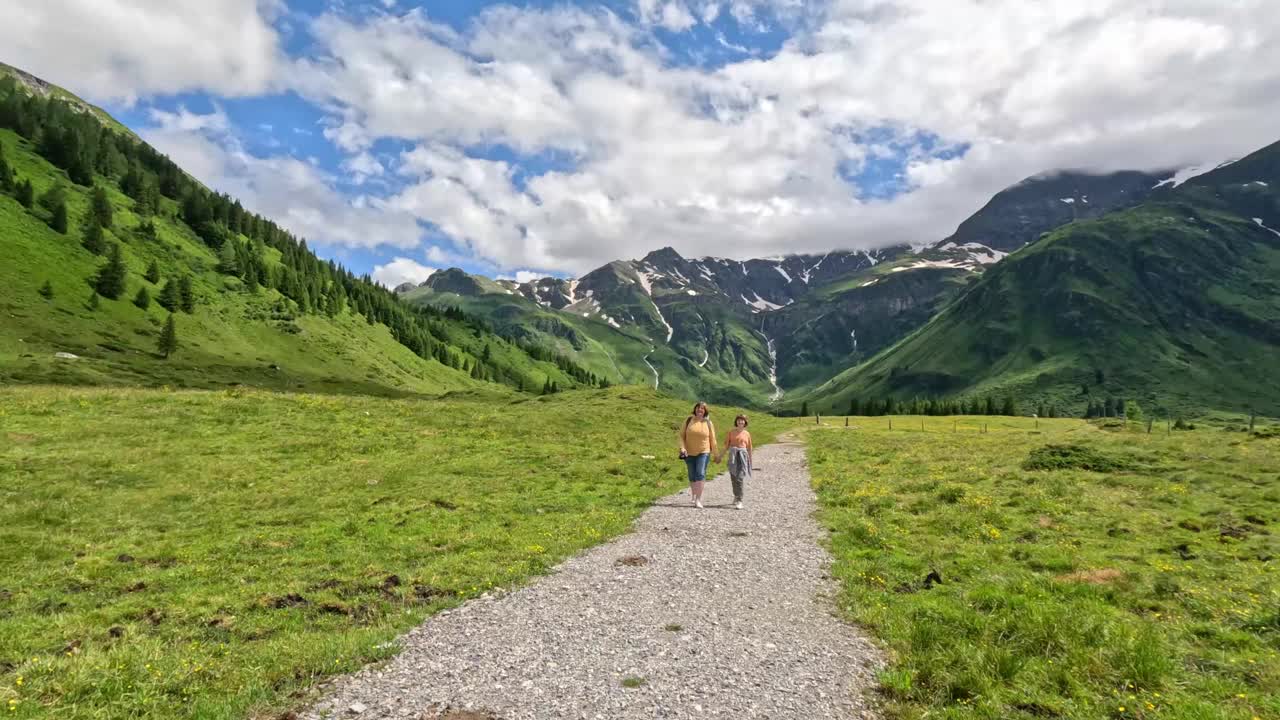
<point x="715" y="613"/>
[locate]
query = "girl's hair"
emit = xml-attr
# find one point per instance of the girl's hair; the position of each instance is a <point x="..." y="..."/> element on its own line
<point x="743" y="418"/>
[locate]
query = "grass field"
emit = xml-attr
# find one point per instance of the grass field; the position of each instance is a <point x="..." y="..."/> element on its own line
<point x="1144" y="587"/>
<point x="201" y="554"/>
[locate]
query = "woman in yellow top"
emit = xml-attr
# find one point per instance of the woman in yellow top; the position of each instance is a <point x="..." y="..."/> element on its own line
<point x="697" y="442"/>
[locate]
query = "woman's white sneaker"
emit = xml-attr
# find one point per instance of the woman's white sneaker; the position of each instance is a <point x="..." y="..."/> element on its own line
<point x="737" y="505"/>
<point x="697" y="504"/>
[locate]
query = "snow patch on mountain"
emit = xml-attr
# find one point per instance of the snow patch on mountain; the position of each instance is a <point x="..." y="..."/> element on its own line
<point x="773" y="368"/>
<point x="762" y="305"/>
<point x="782" y="272"/>
<point x="1187" y="173"/>
<point x="808" y="273"/>
<point x="656" y="379"/>
<point x="646" y="281"/>
<point x="956" y="264"/>
<point x="1068" y="201"/>
<point x="1264" y="227"/>
<point x="670" y="330"/>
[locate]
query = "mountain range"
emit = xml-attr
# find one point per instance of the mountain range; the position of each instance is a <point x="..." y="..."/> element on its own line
<point x="1067" y="287"/>
<point x="1018" y="301"/>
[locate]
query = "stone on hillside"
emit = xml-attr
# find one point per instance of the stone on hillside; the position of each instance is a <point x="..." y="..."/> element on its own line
<point x="66" y="356"/>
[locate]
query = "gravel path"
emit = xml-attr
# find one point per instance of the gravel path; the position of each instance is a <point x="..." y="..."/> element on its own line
<point x="728" y="616"/>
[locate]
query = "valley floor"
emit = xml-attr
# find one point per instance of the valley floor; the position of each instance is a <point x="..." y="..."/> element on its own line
<point x="218" y="554"/>
<point x="714" y="613"/>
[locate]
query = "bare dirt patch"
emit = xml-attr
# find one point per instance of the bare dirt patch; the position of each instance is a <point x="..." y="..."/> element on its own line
<point x="1101" y="576"/>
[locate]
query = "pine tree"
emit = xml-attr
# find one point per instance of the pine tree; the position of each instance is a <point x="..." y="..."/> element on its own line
<point x="59" y="220"/>
<point x="153" y="273"/>
<point x="25" y="193"/>
<point x="1009" y="409"/>
<point x="94" y="300"/>
<point x="100" y="207"/>
<point x="168" y="342"/>
<point x="46" y="290"/>
<point x="227" y="258"/>
<point x="92" y="238"/>
<point x="169" y="298"/>
<point x="53" y="197"/>
<point x="804" y="409"/>
<point x="143" y="298"/>
<point x="109" y="282"/>
<point x="546" y="387"/>
<point x="186" y="295"/>
<point x="6" y="172"/>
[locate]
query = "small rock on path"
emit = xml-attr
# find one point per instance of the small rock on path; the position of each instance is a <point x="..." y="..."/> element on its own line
<point x="728" y="617"/>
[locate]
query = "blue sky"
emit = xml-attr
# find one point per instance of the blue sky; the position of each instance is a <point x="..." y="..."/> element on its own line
<point x="551" y="137"/>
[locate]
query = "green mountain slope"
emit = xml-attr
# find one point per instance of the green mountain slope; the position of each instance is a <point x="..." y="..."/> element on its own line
<point x="263" y="309"/>
<point x="633" y="351"/>
<point x="1174" y="303"/>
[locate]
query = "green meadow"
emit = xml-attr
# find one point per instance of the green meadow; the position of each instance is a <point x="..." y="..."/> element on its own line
<point x="1058" y="568"/>
<point x="194" y="554"/>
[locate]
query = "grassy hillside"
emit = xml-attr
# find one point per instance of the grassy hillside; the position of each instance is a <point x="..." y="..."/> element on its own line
<point x="847" y="322"/>
<point x="1174" y="304"/>
<point x="234" y="336"/>
<point x="625" y="355"/>
<point x="221" y="576"/>
<point x="265" y="311"/>
<point x="1082" y="571"/>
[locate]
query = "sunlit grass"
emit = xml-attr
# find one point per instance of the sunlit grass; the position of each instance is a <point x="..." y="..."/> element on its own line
<point x="208" y="555"/>
<point x="1149" y="591"/>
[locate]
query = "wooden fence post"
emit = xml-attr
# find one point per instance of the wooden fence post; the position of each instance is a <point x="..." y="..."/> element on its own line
<point x="890" y="422"/>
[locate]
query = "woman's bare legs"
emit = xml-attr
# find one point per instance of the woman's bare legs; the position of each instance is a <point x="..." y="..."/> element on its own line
<point x="695" y="489"/>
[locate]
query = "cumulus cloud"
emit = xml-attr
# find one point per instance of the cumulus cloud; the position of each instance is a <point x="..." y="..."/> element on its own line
<point x="125" y="49"/>
<point x="523" y="276"/>
<point x="401" y="270"/>
<point x="562" y="137"/>
<point x="751" y="158"/>
<point x="294" y="193"/>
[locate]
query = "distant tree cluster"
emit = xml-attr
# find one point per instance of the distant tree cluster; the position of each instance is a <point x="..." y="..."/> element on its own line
<point x="926" y="406"/>
<point x="1110" y="407"/>
<point x="242" y="241"/>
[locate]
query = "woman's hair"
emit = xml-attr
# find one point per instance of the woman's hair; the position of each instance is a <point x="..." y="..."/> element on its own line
<point x="694" y="413"/>
<point x="743" y="418"/>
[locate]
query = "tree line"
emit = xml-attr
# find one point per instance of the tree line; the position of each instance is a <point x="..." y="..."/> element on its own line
<point x="75" y="141"/>
<point x="989" y="405"/>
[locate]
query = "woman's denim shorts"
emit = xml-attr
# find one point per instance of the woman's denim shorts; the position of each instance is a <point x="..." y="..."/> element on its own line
<point x="698" y="466"/>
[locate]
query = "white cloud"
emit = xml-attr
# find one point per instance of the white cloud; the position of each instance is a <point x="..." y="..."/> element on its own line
<point x="294" y="193"/>
<point x="741" y="160"/>
<point x="124" y="49"/>
<point x="401" y="270"/>
<point x="362" y="167"/>
<point x="676" y="17"/>
<point x="746" y="159"/>
<point x="523" y="276"/>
